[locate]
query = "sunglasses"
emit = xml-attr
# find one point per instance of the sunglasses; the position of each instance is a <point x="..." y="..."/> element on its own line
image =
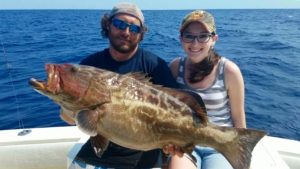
<point x="123" y="25"/>
<point x="201" y="38"/>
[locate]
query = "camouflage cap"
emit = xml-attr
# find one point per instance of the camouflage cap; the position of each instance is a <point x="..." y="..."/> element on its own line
<point x="199" y="16"/>
<point x="127" y="8"/>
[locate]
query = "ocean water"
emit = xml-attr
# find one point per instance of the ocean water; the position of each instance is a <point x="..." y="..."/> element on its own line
<point x="264" y="43"/>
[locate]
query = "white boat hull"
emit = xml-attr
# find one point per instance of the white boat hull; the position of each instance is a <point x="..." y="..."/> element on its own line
<point x="55" y="148"/>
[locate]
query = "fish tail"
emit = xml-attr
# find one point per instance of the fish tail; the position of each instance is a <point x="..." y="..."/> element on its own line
<point x="239" y="152"/>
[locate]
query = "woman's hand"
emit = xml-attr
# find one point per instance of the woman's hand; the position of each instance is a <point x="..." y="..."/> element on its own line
<point x="172" y="149"/>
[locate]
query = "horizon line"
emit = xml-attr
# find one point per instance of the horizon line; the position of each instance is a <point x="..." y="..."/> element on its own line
<point x="142" y="9"/>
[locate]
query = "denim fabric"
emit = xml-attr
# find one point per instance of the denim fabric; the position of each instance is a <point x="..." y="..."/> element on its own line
<point x="209" y="158"/>
<point x="76" y="164"/>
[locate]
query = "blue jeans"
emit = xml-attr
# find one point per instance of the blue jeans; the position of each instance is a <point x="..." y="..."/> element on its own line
<point x="76" y="164"/>
<point x="209" y="158"/>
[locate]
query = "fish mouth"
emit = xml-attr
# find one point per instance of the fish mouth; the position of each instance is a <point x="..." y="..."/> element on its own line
<point x="52" y="84"/>
<point x="38" y="84"/>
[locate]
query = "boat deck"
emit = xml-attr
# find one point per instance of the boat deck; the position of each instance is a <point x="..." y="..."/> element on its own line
<point x="55" y="147"/>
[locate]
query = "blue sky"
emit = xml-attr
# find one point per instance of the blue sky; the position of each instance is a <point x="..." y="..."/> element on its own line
<point x="150" y="4"/>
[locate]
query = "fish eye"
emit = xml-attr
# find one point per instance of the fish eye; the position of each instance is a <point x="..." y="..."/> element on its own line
<point x="73" y="69"/>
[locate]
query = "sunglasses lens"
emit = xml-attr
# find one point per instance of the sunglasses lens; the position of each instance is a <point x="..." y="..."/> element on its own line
<point x="201" y="38"/>
<point x="123" y="25"/>
<point x="119" y="24"/>
<point x="134" y="28"/>
<point x="188" y="38"/>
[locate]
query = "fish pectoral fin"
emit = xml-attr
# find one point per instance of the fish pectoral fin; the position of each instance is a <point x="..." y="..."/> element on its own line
<point x="99" y="144"/>
<point x="87" y="120"/>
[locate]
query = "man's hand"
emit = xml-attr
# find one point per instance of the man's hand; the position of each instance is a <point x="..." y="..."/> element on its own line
<point x="172" y="150"/>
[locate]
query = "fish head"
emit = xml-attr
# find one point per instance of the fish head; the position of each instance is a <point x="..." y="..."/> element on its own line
<point x="71" y="86"/>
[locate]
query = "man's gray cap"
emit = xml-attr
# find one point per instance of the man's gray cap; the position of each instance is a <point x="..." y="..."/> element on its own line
<point x="127" y="8"/>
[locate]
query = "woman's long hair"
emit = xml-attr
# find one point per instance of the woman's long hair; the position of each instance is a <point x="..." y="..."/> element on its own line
<point x="199" y="71"/>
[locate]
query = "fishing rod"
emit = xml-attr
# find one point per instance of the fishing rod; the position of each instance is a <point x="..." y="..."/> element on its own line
<point x="8" y="67"/>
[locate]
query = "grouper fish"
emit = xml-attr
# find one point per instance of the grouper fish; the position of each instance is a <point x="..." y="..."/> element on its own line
<point x="132" y="112"/>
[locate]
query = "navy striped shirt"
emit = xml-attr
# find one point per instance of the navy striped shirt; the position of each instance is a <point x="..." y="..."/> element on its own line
<point x="215" y="96"/>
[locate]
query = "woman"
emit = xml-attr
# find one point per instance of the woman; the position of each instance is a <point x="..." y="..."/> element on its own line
<point x="216" y="79"/>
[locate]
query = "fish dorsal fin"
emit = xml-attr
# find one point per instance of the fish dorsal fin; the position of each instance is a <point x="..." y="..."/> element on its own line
<point x="193" y="100"/>
<point x="190" y="98"/>
<point x="140" y="76"/>
<point x="144" y="78"/>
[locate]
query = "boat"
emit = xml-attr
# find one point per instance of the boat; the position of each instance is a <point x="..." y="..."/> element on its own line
<point x="56" y="147"/>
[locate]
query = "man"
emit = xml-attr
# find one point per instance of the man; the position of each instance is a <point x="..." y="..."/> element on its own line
<point x="124" y="27"/>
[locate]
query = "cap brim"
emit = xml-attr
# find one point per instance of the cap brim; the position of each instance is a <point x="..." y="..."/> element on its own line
<point x="190" y="21"/>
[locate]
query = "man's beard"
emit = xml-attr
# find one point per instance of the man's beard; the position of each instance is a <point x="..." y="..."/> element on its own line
<point x="129" y="47"/>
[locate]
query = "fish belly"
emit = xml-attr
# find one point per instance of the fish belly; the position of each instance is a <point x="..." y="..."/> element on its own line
<point x="144" y="127"/>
